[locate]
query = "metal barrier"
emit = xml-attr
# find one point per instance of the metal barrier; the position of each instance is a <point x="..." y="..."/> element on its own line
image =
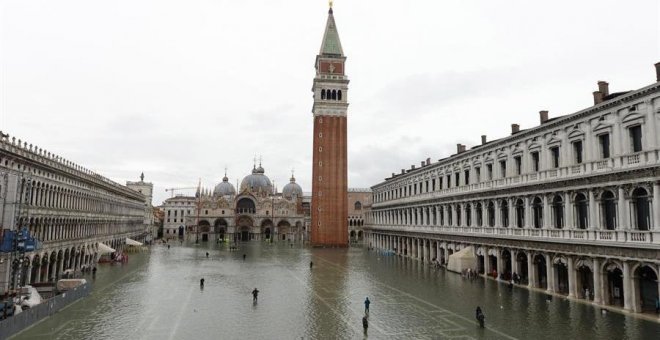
<point x="15" y="324"/>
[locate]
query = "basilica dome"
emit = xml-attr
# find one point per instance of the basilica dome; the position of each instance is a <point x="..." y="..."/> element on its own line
<point x="292" y="189"/>
<point x="257" y="181"/>
<point x="224" y="188"/>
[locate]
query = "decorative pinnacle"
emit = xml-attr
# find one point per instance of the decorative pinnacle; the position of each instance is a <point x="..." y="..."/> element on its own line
<point x="330" y="3"/>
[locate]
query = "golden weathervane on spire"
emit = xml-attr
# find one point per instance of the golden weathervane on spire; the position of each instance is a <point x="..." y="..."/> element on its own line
<point x="330" y="3"/>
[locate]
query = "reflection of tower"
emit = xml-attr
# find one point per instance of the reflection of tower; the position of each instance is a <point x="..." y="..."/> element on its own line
<point x="329" y="168"/>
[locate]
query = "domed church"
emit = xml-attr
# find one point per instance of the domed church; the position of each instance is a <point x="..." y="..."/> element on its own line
<point x="256" y="212"/>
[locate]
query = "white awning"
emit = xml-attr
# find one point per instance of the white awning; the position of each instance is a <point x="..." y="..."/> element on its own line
<point x="131" y="242"/>
<point x="104" y="249"/>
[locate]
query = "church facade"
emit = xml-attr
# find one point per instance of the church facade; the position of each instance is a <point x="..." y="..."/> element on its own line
<point x="254" y="212"/>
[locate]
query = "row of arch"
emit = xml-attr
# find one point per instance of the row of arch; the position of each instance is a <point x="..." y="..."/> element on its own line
<point x="46" y="195"/>
<point x="47" y="229"/>
<point x="610" y="210"/>
<point x="330" y="94"/>
<point x="632" y="285"/>
<point x="50" y="265"/>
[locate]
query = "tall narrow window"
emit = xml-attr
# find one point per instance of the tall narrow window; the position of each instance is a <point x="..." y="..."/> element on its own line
<point x="467" y="177"/>
<point x="457" y="179"/>
<point x="604" y="145"/>
<point x="535" y="161"/>
<point x="477" y="172"/>
<point x="555" y="156"/>
<point x="636" y="138"/>
<point x="489" y="171"/>
<point x="518" y="161"/>
<point x="433" y="185"/>
<point x="448" y="181"/>
<point x="502" y="169"/>
<point x="577" y="151"/>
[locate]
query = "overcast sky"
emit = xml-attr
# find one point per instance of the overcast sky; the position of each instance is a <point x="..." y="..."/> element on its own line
<point x="183" y="89"/>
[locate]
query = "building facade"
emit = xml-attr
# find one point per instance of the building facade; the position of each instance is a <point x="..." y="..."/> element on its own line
<point x="329" y="160"/>
<point x="359" y="202"/>
<point x="69" y="209"/>
<point x="147" y="190"/>
<point x="255" y="212"/>
<point x="571" y="206"/>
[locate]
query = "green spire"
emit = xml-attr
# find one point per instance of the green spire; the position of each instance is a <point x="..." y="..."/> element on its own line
<point x="331" y="44"/>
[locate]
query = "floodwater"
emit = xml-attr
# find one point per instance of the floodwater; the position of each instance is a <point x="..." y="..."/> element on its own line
<point x="157" y="295"/>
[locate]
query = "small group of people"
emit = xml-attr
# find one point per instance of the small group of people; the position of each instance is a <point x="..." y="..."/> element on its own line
<point x="469" y="273"/>
<point x="365" y="318"/>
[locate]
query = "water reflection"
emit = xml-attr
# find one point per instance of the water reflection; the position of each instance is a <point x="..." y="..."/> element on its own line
<point x="158" y="296"/>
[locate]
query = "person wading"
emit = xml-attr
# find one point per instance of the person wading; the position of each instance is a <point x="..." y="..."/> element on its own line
<point x="480" y="317"/>
<point x="255" y="294"/>
<point x="366" y="305"/>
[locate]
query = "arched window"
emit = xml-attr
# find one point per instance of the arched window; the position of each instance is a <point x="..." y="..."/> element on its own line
<point x="334" y="95"/>
<point x="339" y="95"/>
<point x="491" y="214"/>
<point x="640" y="200"/>
<point x="558" y="211"/>
<point x="323" y="94"/>
<point x="537" y="209"/>
<point x="504" y="211"/>
<point x="245" y="205"/>
<point x="520" y="213"/>
<point x="358" y="205"/>
<point x="468" y="215"/>
<point x="582" y="211"/>
<point x="480" y="215"/>
<point x="608" y="203"/>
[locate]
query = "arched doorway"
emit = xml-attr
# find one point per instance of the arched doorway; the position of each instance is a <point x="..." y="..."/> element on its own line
<point x="244" y="225"/>
<point x="521" y="271"/>
<point x="267" y="229"/>
<point x="506" y="261"/>
<point x="203" y="229"/>
<point x="267" y="233"/>
<point x="585" y="280"/>
<point x="561" y="276"/>
<point x="220" y="226"/>
<point x="504" y="212"/>
<point x="520" y="213"/>
<point x="541" y="271"/>
<point x="558" y="211"/>
<point x="646" y="281"/>
<point x="614" y="285"/>
<point x="537" y="211"/>
<point x="285" y="229"/>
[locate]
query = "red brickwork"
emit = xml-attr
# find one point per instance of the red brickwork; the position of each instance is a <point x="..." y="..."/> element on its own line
<point x="330" y="182"/>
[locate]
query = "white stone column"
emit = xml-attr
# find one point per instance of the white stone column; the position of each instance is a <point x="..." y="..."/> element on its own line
<point x="28" y="275"/>
<point x="500" y="264"/>
<point x="598" y="278"/>
<point x="514" y="255"/>
<point x="568" y="211"/>
<point x="623" y="218"/>
<point x="656" y="207"/>
<point x="592" y="212"/>
<point x="512" y="213"/>
<point x="550" y="273"/>
<point x="627" y="287"/>
<point x="572" y="278"/>
<point x="498" y="214"/>
<point x="484" y="214"/>
<point x="546" y="213"/>
<point x="531" y="269"/>
<point x="528" y="209"/>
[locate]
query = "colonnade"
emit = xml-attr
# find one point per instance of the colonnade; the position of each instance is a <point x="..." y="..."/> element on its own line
<point x="629" y="284"/>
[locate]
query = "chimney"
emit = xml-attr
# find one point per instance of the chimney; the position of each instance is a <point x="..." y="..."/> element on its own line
<point x="515" y="128"/>
<point x="428" y="161"/>
<point x="460" y="148"/>
<point x="393" y="175"/>
<point x="598" y="97"/>
<point x="423" y="163"/>
<point x="657" y="71"/>
<point x="412" y="167"/>
<point x="403" y="171"/>
<point x="483" y="139"/>
<point x="543" y="115"/>
<point x="604" y="88"/>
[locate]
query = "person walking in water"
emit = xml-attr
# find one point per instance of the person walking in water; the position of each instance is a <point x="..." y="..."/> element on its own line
<point x="244" y="257"/>
<point x="366" y="305"/>
<point x="201" y="282"/>
<point x="311" y="264"/>
<point x="207" y="254"/>
<point x="365" y="323"/>
<point x="255" y="294"/>
<point x="480" y="317"/>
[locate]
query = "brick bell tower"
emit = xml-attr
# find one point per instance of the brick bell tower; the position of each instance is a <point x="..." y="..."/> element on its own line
<point x="329" y="169"/>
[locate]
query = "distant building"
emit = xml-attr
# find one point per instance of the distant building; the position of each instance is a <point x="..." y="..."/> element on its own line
<point x="255" y="212"/>
<point x="359" y="202"/>
<point x="146" y="189"/>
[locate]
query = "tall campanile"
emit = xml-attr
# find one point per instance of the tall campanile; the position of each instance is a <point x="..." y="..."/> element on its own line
<point x="330" y="171"/>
